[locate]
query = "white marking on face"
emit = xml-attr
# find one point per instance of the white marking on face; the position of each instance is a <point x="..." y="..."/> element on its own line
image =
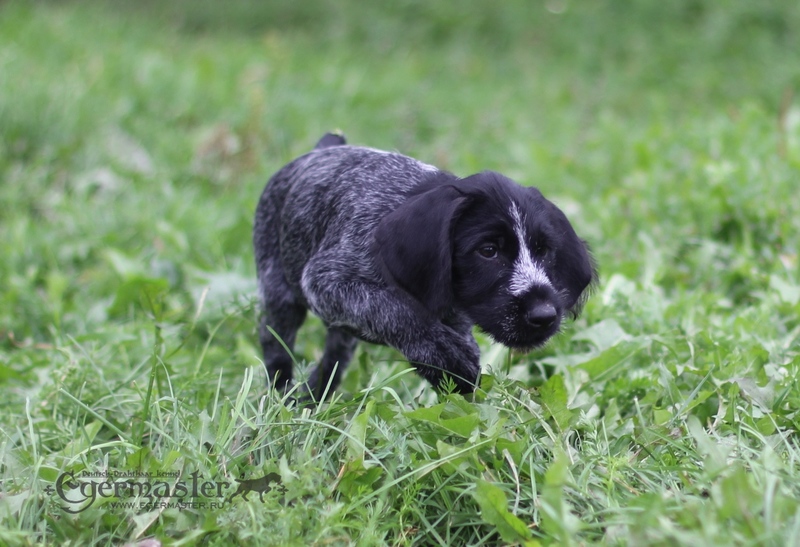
<point x="526" y="272"/>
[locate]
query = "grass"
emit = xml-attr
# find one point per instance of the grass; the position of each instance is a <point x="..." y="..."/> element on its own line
<point x="135" y="142"/>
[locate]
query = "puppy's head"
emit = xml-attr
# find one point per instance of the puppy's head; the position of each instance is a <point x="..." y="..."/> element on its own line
<point x="498" y="252"/>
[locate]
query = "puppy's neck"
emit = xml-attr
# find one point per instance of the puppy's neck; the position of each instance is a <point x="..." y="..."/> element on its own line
<point x="457" y="320"/>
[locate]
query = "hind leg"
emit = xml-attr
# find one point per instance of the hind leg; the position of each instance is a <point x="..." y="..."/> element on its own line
<point x="284" y="313"/>
<point x="277" y="360"/>
<point x="339" y="348"/>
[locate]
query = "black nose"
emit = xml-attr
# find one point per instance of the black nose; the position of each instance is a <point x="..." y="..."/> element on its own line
<point x="541" y="315"/>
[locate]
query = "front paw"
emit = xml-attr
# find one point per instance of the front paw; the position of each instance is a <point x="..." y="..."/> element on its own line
<point x="448" y="355"/>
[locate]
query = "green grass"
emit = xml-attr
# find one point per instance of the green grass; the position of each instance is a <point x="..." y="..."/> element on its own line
<point x="135" y="139"/>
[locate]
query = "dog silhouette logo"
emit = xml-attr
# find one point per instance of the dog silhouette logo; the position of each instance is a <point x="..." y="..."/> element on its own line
<point x="261" y="485"/>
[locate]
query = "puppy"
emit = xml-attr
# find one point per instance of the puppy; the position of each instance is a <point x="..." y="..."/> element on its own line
<point x="390" y="250"/>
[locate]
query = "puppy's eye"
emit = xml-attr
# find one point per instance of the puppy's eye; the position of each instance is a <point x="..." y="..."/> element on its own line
<point x="488" y="251"/>
<point x="541" y="248"/>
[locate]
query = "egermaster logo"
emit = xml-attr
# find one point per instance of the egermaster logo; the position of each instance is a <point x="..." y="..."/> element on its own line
<point x="149" y="491"/>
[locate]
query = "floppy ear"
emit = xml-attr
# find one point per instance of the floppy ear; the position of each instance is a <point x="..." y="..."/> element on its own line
<point x="414" y="244"/>
<point x="575" y="267"/>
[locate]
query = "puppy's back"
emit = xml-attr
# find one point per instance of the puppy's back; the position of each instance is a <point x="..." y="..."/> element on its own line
<point x="334" y="196"/>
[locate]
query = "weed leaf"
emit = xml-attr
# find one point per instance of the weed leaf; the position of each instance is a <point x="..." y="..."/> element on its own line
<point x="494" y="511"/>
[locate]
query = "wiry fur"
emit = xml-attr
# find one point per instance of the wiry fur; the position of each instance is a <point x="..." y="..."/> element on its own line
<point x="387" y="249"/>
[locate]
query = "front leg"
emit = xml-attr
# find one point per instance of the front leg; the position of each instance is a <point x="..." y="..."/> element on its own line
<point x="445" y="353"/>
<point x="386" y="314"/>
<point x="339" y="348"/>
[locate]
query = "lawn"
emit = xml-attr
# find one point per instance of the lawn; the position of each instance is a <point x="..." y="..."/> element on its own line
<point x="135" y="139"/>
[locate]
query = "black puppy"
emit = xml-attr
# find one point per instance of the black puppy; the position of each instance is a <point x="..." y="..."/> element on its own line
<point x="390" y="250"/>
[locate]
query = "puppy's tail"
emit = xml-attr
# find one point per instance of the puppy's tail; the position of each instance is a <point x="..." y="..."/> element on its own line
<point x="330" y="139"/>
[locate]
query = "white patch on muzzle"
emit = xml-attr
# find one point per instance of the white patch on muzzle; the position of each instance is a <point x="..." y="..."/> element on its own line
<point x="527" y="273"/>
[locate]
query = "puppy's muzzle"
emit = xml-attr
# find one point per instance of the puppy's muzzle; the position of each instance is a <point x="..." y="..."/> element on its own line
<point x="541" y="315"/>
